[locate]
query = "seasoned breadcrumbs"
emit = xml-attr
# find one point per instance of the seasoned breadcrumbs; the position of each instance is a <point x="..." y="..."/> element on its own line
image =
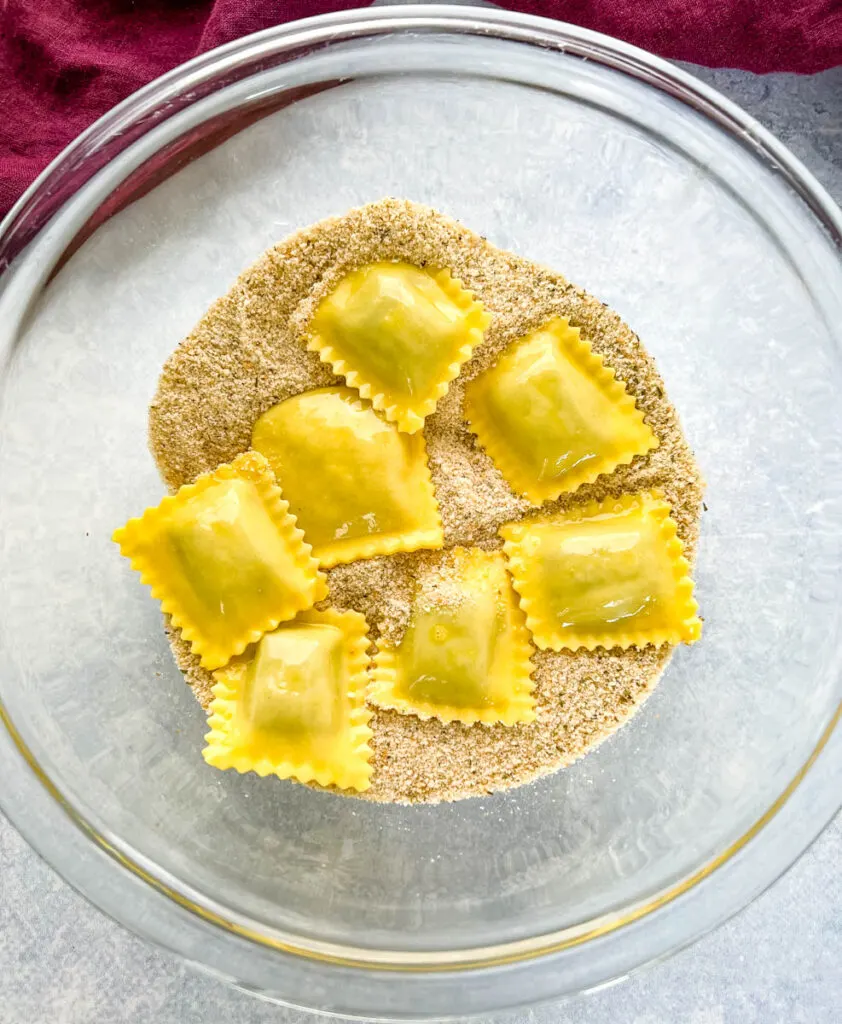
<point x="247" y="354"/>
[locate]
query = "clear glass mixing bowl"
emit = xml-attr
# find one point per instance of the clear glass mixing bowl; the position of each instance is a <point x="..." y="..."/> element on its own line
<point x="642" y="185"/>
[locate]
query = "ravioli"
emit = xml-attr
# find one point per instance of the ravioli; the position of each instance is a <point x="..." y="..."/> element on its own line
<point x="465" y="656"/>
<point x="607" y="574"/>
<point x="552" y="416"/>
<point x="225" y="559"/>
<point x="357" y="486"/>
<point x="294" y="706"/>
<point x="398" y="334"/>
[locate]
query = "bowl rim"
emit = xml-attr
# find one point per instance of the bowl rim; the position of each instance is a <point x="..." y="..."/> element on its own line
<point x="740" y="872"/>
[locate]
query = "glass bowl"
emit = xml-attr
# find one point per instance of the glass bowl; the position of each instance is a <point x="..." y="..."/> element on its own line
<point x="577" y="151"/>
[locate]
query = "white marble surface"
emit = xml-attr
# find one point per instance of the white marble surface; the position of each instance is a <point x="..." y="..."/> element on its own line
<point x="779" y="961"/>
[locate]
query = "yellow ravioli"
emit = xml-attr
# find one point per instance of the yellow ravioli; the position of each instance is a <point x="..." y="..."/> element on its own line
<point x="398" y="334"/>
<point x="356" y="485"/>
<point x="225" y="559"/>
<point x="295" y="705"/>
<point x="552" y="416"/>
<point x="465" y="656"/>
<point x="607" y="574"/>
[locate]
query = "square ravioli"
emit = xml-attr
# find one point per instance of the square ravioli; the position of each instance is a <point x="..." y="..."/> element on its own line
<point x="357" y="486"/>
<point x="607" y="574"/>
<point x="398" y="334"/>
<point x="465" y="656"/>
<point x="295" y="706"/>
<point x="552" y="416"/>
<point x="225" y="559"/>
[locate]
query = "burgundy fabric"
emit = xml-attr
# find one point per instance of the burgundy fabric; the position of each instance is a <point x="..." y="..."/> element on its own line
<point x="63" y="63"/>
<point x="756" y="35"/>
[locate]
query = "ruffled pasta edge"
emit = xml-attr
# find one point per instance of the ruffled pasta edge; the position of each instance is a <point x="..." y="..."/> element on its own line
<point x="424" y="537"/>
<point x="354" y="773"/>
<point x="252" y="467"/>
<point x="581" y="353"/>
<point x="521" y="709"/>
<point x="410" y="417"/>
<point x="687" y="626"/>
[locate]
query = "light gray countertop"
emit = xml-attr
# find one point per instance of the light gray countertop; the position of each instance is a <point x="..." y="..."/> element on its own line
<point x="780" y="960"/>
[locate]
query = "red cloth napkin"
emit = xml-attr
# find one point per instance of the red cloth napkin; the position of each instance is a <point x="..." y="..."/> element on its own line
<point x="63" y="63"/>
<point x="756" y="35"/>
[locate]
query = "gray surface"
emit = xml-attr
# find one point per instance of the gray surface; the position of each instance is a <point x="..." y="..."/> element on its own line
<point x="60" y="961"/>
